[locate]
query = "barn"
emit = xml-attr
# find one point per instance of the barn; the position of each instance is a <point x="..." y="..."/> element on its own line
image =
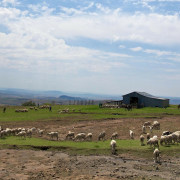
<point x="143" y="99"/>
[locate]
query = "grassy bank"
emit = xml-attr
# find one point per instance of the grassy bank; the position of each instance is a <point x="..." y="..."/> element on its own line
<point x="86" y="148"/>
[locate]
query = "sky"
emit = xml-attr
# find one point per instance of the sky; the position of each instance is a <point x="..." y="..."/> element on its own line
<point x="106" y="47"/>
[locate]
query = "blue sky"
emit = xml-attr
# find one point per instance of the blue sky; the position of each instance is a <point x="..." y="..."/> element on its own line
<point x="108" y="47"/>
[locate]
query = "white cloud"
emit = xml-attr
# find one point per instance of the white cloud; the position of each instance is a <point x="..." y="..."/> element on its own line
<point x="11" y="2"/>
<point x="122" y="46"/>
<point x="136" y="49"/>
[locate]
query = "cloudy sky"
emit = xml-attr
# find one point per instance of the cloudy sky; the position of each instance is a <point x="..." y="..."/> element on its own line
<point x="108" y="47"/>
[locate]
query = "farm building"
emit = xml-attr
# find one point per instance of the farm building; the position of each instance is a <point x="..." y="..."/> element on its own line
<point x="142" y="99"/>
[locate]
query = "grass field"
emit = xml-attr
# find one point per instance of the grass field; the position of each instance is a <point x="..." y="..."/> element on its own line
<point x="100" y="147"/>
<point x="89" y="112"/>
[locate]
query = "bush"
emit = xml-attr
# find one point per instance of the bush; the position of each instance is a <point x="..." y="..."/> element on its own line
<point x="29" y="103"/>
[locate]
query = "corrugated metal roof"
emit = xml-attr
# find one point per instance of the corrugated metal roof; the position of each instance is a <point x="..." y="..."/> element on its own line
<point x="146" y="95"/>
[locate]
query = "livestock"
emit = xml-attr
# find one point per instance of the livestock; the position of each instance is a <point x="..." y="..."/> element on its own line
<point x="144" y="129"/>
<point x="70" y="135"/>
<point x="40" y="132"/>
<point x="29" y="132"/>
<point x="131" y="133"/>
<point x="153" y="141"/>
<point x="113" y="146"/>
<point x="151" y="129"/>
<point x="148" y="136"/>
<point x="163" y="139"/>
<point x="156" y="125"/>
<point x="142" y="140"/>
<point x="166" y="133"/>
<point x="176" y="137"/>
<point x="156" y="154"/>
<point x="22" y="134"/>
<point x="101" y="136"/>
<point x="89" y="137"/>
<point x="114" y="135"/>
<point x="179" y="106"/>
<point x="147" y="123"/>
<point x="80" y="136"/>
<point x="53" y="134"/>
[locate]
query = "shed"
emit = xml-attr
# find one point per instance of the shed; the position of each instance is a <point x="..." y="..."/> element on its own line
<point x="143" y="99"/>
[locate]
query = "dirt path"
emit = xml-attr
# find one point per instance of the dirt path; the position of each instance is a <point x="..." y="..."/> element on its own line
<point x="44" y="165"/>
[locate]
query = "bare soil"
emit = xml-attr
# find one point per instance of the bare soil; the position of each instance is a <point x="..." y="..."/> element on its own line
<point x="47" y="165"/>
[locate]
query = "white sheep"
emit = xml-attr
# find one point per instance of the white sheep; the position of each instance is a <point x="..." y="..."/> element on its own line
<point x="142" y="140"/>
<point x="156" y="125"/>
<point x="40" y="132"/>
<point x="151" y="129"/>
<point x="113" y="146"/>
<point x="70" y="135"/>
<point x="114" y="135"/>
<point x="29" y="132"/>
<point x="53" y="134"/>
<point x="144" y="129"/>
<point x="175" y="137"/>
<point x="101" y="136"/>
<point x="147" y="123"/>
<point x="163" y="139"/>
<point x="148" y="136"/>
<point x="131" y="133"/>
<point x="156" y="154"/>
<point x="22" y="134"/>
<point x="153" y="141"/>
<point x="80" y="136"/>
<point x="89" y="137"/>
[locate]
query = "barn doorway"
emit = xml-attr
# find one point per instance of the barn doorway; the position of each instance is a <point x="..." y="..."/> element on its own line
<point x="134" y="100"/>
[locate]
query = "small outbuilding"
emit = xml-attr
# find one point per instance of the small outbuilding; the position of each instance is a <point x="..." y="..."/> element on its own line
<point x="143" y="99"/>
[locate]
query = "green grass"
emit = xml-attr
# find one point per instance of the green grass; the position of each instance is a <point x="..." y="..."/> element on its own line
<point x="101" y="147"/>
<point x="89" y="112"/>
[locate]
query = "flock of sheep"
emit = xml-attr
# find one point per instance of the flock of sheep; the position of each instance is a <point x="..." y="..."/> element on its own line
<point x="152" y="140"/>
<point x="167" y="137"/>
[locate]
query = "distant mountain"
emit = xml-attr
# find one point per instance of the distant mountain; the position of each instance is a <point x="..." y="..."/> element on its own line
<point x="64" y="97"/>
<point x="11" y="96"/>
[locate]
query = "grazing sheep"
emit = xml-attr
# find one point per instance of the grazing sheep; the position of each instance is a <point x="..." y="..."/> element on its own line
<point x="89" y="137"/>
<point x="3" y="134"/>
<point x="22" y="134"/>
<point x="80" y="136"/>
<point x="40" y="132"/>
<point x="156" y="125"/>
<point x="156" y="154"/>
<point x="131" y="133"/>
<point x="29" y="133"/>
<point x="147" y="123"/>
<point x="176" y="137"/>
<point x="101" y="136"/>
<point x="153" y="141"/>
<point x="113" y="146"/>
<point x="70" y="135"/>
<point x="53" y="134"/>
<point x="114" y="135"/>
<point x="148" y="136"/>
<point x="163" y="139"/>
<point x="151" y="129"/>
<point x="166" y="133"/>
<point x="144" y="129"/>
<point x="142" y="140"/>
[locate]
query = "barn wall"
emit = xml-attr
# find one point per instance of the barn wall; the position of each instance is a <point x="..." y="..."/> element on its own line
<point x="146" y="101"/>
